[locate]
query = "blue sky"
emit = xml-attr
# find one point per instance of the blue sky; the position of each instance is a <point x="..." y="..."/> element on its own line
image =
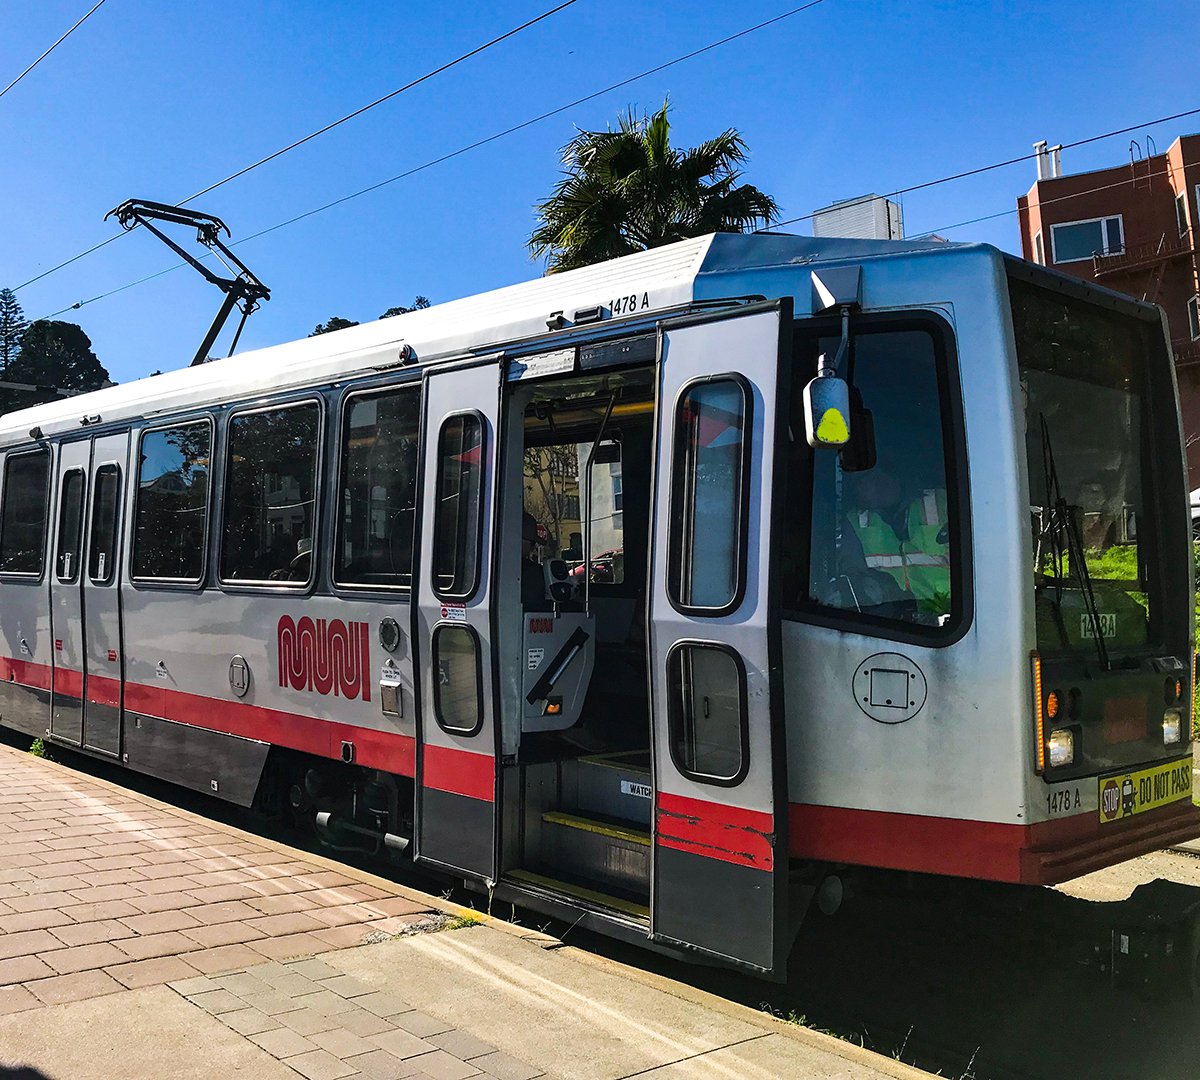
<point x="157" y="100"/>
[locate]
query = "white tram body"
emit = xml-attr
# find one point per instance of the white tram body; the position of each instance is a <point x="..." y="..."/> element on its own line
<point x="546" y="587"/>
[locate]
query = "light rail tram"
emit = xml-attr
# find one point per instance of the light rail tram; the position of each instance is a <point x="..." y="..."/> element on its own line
<point x="651" y="595"/>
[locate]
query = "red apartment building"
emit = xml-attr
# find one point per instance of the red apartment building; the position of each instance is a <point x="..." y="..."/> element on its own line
<point x="1134" y="228"/>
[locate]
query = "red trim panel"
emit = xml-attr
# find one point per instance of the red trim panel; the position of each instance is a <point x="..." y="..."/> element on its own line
<point x="104" y="691"/>
<point x="1041" y="854"/>
<point x="728" y="833"/>
<point x="372" y="748"/>
<point x="460" y="772"/>
<point x="25" y="673"/>
<point x="68" y="683"/>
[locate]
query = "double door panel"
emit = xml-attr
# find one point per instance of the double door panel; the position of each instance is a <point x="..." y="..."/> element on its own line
<point x="85" y="593"/>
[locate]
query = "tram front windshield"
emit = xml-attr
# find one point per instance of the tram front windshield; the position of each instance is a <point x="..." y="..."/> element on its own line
<point x="1084" y="372"/>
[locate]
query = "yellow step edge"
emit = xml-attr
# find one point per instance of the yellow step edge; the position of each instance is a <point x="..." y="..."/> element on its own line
<point x="617" y="832"/>
<point x="580" y="893"/>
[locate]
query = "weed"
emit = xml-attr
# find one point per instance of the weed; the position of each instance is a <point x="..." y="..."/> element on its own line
<point x="461" y="921"/>
<point x="38" y="748"/>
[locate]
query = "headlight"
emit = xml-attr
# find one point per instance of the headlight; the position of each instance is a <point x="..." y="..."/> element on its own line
<point x="1172" y="726"/>
<point x="1062" y="747"/>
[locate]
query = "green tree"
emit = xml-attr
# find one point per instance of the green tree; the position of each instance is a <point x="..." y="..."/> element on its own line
<point x="336" y="323"/>
<point x="417" y="305"/>
<point x="630" y="189"/>
<point x="52" y="356"/>
<point x="12" y="326"/>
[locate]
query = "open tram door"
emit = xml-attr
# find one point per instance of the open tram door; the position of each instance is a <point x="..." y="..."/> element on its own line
<point x="456" y="741"/>
<point x="720" y="853"/>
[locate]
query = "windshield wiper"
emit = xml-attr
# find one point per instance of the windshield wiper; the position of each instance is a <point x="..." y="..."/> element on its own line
<point x="1062" y="522"/>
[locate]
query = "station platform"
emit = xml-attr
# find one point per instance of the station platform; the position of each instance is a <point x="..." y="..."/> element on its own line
<point x="139" y="941"/>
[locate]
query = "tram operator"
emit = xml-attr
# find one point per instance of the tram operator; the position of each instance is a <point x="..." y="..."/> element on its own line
<point x="905" y="536"/>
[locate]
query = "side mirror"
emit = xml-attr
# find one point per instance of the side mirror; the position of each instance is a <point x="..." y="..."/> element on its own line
<point x="608" y="453"/>
<point x="827" y="411"/>
<point x="858" y="455"/>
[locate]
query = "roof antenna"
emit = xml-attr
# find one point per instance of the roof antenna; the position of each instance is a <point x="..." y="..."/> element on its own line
<point x="243" y="289"/>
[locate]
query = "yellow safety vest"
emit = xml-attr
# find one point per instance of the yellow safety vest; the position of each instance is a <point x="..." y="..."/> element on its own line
<point x="919" y="565"/>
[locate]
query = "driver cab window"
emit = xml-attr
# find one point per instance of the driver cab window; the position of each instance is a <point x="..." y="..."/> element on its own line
<point x="881" y="539"/>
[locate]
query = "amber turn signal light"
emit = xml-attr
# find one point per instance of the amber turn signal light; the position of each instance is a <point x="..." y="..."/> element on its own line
<point x="1052" y="704"/>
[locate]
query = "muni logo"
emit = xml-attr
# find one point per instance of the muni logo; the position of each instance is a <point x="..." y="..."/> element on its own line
<point x="325" y="656"/>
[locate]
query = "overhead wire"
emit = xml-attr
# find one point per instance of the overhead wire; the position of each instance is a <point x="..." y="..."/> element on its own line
<point x="49" y="50"/>
<point x="320" y="131"/>
<point x="455" y="153"/>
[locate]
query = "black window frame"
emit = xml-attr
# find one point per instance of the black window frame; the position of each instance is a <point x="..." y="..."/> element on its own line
<point x="27" y="575"/>
<point x="73" y="577"/>
<point x="679" y="489"/>
<point x="674" y="718"/>
<point x="467" y="594"/>
<point x="142" y="581"/>
<point x="110" y="574"/>
<point x="958" y="495"/>
<point x="415" y="386"/>
<point x="438" y="630"/>
<point x="257" y="584"/>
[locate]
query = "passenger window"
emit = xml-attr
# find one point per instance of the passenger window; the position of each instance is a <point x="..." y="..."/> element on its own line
<point x="379" y="489"/>
<point x="459" y="507"/>
<point x="457" y="704"/>
<point x="270" y="495"/>
<point x="102" y="558"/>
<point x="882" y="532"/>
<point x="23" y="521"/>
<point x="706" y="713"/>
<point x="171" y="517"/>
<point x="707" y="557"/>
<point x="70" y="526"/>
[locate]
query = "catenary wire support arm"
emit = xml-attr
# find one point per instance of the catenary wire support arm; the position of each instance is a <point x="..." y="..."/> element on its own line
<point x="243" y="289"/>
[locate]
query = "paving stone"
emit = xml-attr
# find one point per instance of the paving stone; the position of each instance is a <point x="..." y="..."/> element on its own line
<point x="285" y="979"/>
<point x="283" y="1042"/>
<point x="230" y="911"/>
<point x="342" y="1043"/>
<point x="159" y="922"/>
<point x="74" y="987"/>
<point x="217" y="1001"/>
<point x="313" y="969"/>
<point x="306" y="1022"/>
<point x="150" y="972"/>
<point x="401" y="1043"/>
<point x="417" y="1023"/>
<point x="198" y="984"/>
<point x="101" y="893"/>
<point x="225" y="958"/>
<point x="277" y="886"/>
<point x="342" y="937"/>
<point x="241" y="983"/>
<point x="461" y="1044"/>
<point x="272" y="1002"/>
<point x="83" y="958"/>
<point x="283" y="904"/>
<point x="17" y="999"/>
<point x="112" y="909"/>
<point x="19" y="969"/>
<point x="320" y="1065"/>
<point x="347" y="986"/>
<point x="362" y="1022"/>
<point x="142" y="948"/>
<point x="90" y="932"/>
<point x="442" y="1066"/>
<point x="343" y="914"/>
<point x="294" y="922"/>
<point x="289" y="947"/>
<point x="42" y="900"/>
<point x="175" y="883"/>
<point x="326" y="1002"/>
<point x="97" y="878"/>
<point x="248" y="1021"/>
<point x="171" y="901"/>
<point x="44" y="885"/>
<point x="215" y="894"/>
<point x="229" y="933"/>
<point x="503" y="1067"/>
<point x="389" y="1005"/>
<point x="380" y="1065"/>
<point x="29" y="941"/>
<point x="396" y="905"/>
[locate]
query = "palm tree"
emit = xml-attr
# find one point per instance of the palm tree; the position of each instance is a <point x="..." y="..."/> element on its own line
<point x="630" y="189"/>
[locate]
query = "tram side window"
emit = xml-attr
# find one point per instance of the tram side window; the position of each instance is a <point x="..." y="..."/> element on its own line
<point x="171" y="519"/>
<point x="70" y="526"/>
<point x="706" y="713"/>
<point x="23" y="524"/>
<point x="457" y="704"/>
<point x="459" y="506"/>
<point x="270" y="495"/>
<point x="707" y="518"/>
<point x="881" y="539"/>
<point x="379" y="489"/>
<point x="102" y="558"/>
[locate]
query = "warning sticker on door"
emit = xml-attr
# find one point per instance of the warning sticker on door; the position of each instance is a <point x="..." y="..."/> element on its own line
<point x="454" y="612"/>
<point x="536" y="656"/>
<point x="631" y="787"/>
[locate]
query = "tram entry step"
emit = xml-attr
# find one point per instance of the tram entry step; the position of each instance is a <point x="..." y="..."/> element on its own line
<point x="608" y="854"/>
<point x="615" y="786"/>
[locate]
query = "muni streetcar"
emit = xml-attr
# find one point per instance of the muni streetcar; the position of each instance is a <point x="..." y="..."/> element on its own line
<point x="646" y="595"/>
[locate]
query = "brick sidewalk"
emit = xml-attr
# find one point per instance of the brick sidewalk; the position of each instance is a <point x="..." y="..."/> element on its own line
<point x="104" y="891"/>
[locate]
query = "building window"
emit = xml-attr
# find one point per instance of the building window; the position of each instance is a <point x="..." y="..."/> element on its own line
<point x="1194" y="317"/>
<point x="1039" y="249"/>
<point x="1078" y="240"/>
<point x="23" y="521"/>
<point x="1181" y="215"/>
<point x="271" y="496"/>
